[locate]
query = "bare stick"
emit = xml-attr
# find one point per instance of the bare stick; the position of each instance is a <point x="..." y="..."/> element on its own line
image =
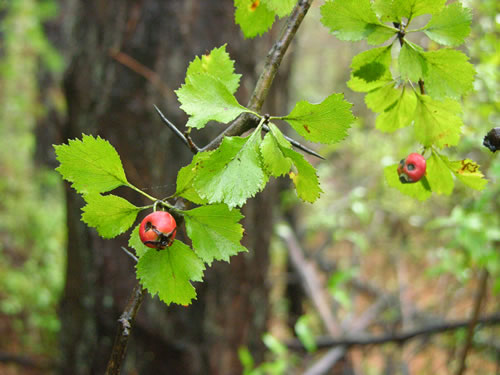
<point x="397" y="338"/>
<point x="177" y="132"/>
<point x="480" y="297"/>
<point x="142" y="70"/>
<point x="124" y="326"/>
<point x="130" y="254"/>
<point x="248" y="121"/>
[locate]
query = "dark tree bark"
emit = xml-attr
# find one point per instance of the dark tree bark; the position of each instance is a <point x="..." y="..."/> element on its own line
<point x="108" y="99"/>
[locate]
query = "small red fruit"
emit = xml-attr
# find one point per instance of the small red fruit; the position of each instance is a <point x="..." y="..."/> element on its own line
<point x="158" y="230"/>
<point x="411" y="169"/>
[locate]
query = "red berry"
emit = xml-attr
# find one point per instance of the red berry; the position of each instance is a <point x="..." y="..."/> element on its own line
<point x="158" y="230"/>
<point x="411" y="169"/>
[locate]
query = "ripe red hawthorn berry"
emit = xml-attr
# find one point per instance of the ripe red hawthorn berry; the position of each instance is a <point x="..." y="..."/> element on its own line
<point x="411" y="169"/>
<point x="158" y="230"/>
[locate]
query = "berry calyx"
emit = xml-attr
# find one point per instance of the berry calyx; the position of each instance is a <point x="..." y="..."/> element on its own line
<point x="411" y="169"/>
<point x="158" y="230"/>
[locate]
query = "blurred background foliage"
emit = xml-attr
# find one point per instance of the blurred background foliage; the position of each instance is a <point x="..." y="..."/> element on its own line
<point x="32" y="224"/>
<point x="361" y="233"/>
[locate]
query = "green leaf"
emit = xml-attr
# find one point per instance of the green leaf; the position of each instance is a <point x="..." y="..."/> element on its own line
<point x="468" y="172"/>
<point x="437" y="122"/>
<point x="135" y="242"/>
<point x="370" y="69"/>
<point x="414" y="8"/>
<point x="219" y="65"/>
<point x="448" y="73"/>
<point x="450" y="26"/>
<point x="439" y="175"/>
<point x="354" y="20"/>
<point x="185" y="178"/>
<point x="419" y="190"/>
<point x="305" y="179"/>
<point x="215" y="232"/>
<point x="379" y="99"/>
<point x="305" y="334"/>
<point x="205" y="98"/>
<point x="275" y="162"/>
<point x="399" y="113"/>
<point x="232" y="173"/>
<point x="92" y="165"/>
<point x="168" y="273"/>
<point x="253" y="17"/>
<point x="282" y="8"/>
<point x="411" y="62"/>
<point x="109" y="214"/>
<point x="326" y="122"/>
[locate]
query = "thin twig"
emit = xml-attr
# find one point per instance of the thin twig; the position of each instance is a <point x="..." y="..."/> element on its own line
<point x="298" y="145"/>
<point x="130" y="254"/>
<point x="124" y="326"/>
<point x="248" y="121"/>
<point x="397" y="338"/>
<point x="478" y="302"/>
<point x="142" y="70"/>
<point x="177" y="132"/>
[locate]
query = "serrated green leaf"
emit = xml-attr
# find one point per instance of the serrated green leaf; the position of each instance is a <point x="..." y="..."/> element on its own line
<point x="411" y="62"/>
<point x="282" y="8"/>
<point x="326" y="122"/>
<point x="135" y="242"/>
<point x="92" y="165"/>
<point x="168" y="273"/>
<point x="215" y="232"/>
<point x="437" y="122"/>
<point x="380" y="99"/>
<point x="448" y="73"/>
<point x="109" y="214"/>
<point x="185" y="179"/>
<point x="232" y="173"/>
<point x="253" y="16"/>
<point x="397" y="115"/>
<point x="354" y="20"/>
<point x="414" y="8"/>
<point x="275" y="162"/>
<point x="370" y="69"/>
<point x="419" y="190"/>
<point x="439" y="175"/>
<point x="205" y="98"/>
<point x="219" y="65"/>
<point x="305" y="179"/>
<point x="450" y="26"/>
<point x="468" y="172"/>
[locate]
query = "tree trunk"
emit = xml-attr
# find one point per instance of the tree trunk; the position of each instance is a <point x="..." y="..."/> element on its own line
<point x="108" y="99"/>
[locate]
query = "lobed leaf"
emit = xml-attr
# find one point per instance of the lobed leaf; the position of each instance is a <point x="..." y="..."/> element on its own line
<point x="468" y="172"/>
<point x="399" y="113"/>
<point x="253" y="16"/>
<point x="419" y="190"/>
<point x="92" y="165"/>
<point x="109" y="214"/>
<point x="169" y="273"/>
<point x="275" y="161"/>
<point x="447" y="73"/>
<point x="219" y="65"/>
<point x="439" y="175"/>
<point x="185" y="178"/>
<point x="395" y="10"/>
<point x="205" y="98"/>
<point x="326" y="122"/>
<point x="282" y="8"/>
<point x="135" y="242"/>
<point x="304" y="178"/>
<point x="437" y="122"/>
<point x="232" y="173"/>
<point x="215" y="232"/>
<point x="450" y="26"/>
<point x="411" y="62"/>
<point x="370" y="69"/>
<point x="354" y="20"/>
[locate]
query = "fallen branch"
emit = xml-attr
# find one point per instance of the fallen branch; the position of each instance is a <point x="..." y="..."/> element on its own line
<point x="398" y="338"/>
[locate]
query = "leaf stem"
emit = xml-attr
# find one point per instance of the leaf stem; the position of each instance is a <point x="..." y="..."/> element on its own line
<point x="141" y="192"/>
